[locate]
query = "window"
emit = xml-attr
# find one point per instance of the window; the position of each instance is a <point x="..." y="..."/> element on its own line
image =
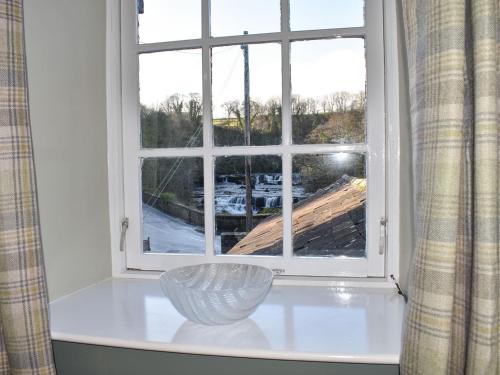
<point x="254" y="131"/>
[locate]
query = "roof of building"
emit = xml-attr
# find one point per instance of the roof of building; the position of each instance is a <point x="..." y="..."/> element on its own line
<point x="329" y="223"/>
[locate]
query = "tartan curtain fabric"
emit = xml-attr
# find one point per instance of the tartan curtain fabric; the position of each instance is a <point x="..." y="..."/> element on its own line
<point x="452" y="323"/>
<point x="25" y="346"/>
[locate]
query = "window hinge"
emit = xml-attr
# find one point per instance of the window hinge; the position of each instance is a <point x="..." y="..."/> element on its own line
<point x="123" y="233"/>
<point x="383" y="235"/>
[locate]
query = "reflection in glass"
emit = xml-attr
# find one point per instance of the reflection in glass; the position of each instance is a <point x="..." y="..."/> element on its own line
<point x="228" y="89"/>
<point x="233" y="17"/>
<point x="170" y="95"/>
<point x="167" y="20"/>
<point x="326" y="14"/>
<point x="236" y="335"/>
<point x="173" y="205"/>
<point x="329" y="216"/>
<point x="255" y="228"/>
<point x="328" y="91"/>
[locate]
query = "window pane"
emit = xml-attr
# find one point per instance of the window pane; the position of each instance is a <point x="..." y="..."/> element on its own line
<point x="167" y="20"/>
<point x="228" y="89"/>
<point x="172" y="205"/>
<point x="329" y="216"/>
<point x="328" y="91"/>
<point x="233" y="17"/>
<point x="170" y="95"/>
<point x="263" y="235"/>
<point x="326" y="14"/>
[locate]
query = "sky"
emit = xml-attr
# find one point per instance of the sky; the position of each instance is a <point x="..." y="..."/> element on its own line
<point x="318" y="67"/>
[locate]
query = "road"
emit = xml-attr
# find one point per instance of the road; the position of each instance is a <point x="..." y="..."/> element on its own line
<point x="168" y="234"/>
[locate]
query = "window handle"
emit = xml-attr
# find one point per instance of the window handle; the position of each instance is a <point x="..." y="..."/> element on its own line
<point x="383" y="235"/>
<point x="123" y="233"/>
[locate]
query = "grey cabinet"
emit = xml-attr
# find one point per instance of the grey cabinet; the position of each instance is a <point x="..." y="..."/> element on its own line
<point x="82" y="359"/>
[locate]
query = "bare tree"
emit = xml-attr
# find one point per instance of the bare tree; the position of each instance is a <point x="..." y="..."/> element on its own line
<point x="173" y="103"/>
<point x="337" y="102"/>
<point x="273" y="113"/>
<point x="328" y="103"/>
<point x="359" y="101"/>
<point x="256" y="109"/>
<point x="299" y="106"/>
<point x="311" y="106"/>
<point x="342" y="100"/>
<point x="194" y="107"/>
<point x="304" y="106"/>
<point x="233" y="109"/>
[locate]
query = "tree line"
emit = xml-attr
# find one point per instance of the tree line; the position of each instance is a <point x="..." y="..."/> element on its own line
<point x="177" y="122"/>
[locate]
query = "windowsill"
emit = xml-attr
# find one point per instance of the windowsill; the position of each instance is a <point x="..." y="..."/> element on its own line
<point x="325" y="324"/>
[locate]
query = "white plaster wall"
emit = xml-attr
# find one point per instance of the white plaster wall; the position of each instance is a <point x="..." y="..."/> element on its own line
<point x="65" y="43"/>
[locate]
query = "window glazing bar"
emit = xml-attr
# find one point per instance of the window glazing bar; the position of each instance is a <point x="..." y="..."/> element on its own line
<point x="253" y="150"/>
<point x="350" y="32"/>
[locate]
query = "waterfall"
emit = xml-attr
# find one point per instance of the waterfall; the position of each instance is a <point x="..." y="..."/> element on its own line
<point x="237" y="200"/>
<point x="273" y="202"/>
<point x="266" y="192"/>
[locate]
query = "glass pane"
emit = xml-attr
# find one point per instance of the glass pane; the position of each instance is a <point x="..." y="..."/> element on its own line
<point x="172" y="205"/>
<point x="328" y="91"/>
<point x="167" y="20"/>
<point x="258" y="228"/>
<point x="233" y="17"/>
<point x="170" y="95"/>
<point x="329" y="213"/>
<point x="326" y="14"/>
<point x="228" y="93"/>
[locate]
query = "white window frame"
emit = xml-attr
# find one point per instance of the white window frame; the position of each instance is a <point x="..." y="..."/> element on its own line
<point x="124" y="166"/>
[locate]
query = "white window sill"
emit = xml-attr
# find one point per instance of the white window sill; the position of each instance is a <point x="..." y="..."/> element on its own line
<point x="355" y="325"/>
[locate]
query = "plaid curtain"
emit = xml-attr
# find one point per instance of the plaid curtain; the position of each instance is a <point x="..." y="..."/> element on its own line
<point x="25" y="346"/>
<point x="453" y="314"/>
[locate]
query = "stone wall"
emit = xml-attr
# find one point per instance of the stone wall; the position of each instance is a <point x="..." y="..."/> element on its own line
<point x="194" y="216"/>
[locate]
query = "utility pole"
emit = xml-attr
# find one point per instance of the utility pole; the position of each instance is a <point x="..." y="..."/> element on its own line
<point x="248" y="159"/>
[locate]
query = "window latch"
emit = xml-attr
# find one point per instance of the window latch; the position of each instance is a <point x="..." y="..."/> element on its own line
<point x="383" y="235"/>
<point x="123" y="233"/>
<point x="277" y="271"/>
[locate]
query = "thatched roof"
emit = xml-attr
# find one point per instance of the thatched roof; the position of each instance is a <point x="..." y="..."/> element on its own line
<point x="329" y="223"/>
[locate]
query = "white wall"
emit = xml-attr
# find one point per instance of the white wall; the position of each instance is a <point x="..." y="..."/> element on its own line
<point x="65" y="43"/>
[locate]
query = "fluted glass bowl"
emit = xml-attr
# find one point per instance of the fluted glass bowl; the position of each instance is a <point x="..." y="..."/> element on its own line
<point x="216" y="293"/>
